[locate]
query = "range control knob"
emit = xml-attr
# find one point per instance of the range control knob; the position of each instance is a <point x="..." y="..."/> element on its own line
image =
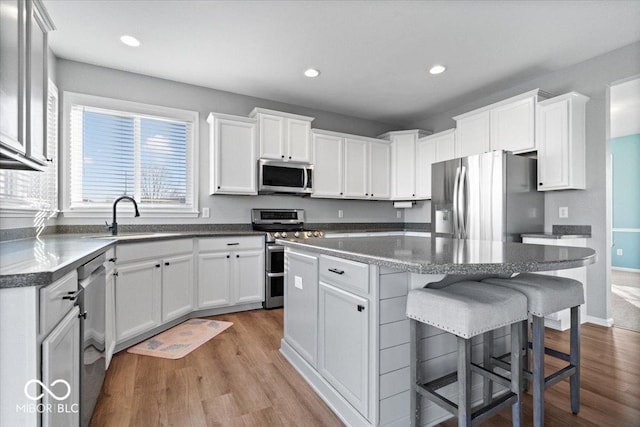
<point x="277" y="235"/>
<point x="308" y="234"/>
<point x="283" y="234"/>
<point x="316" y="234"/>
<point x="320" y="234"/>
<point x="296" y="234"/>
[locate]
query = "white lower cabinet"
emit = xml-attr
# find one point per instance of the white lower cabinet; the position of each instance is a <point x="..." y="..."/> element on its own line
<point x="61" y="361"/>
<point x="138" y="298"/>
<point x="343" y="344"/>
<point x="230" y="271"/>
<point x="177" y="287"/>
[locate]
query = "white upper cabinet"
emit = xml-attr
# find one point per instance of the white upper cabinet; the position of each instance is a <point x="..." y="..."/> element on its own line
<point x="233" y="159"/>
<point x="328" y="164"/>
<point x="356" y="169"/>
<point x="379" y="170"/>
<point x="403" y="163"/>
<point x="506" y="125"/>
<point x="432" y="149"/>
<point x="23" y="84"/>
<point x="561" y="142"/>
<point x="283" y="136"/>
<point x="350" y="166"/>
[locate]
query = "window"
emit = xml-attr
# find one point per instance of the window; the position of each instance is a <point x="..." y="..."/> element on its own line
<point x="30" y="193"/>
<point x="116" y="148"/>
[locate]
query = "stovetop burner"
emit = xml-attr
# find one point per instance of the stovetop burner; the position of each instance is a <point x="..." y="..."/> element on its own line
<point x="282" y="223"/>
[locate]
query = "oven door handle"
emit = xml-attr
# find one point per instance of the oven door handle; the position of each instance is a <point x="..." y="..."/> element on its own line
<point x="275" y="248"/>
<point x="270" y="275"/>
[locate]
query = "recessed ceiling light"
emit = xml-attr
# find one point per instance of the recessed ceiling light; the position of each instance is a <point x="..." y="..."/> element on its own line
<point x="312" y="72"/>
<point x="130" y="41"/>
<point x="437" y="69"/>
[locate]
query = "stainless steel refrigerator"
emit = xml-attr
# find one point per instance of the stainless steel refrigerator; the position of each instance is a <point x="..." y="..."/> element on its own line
<point x="489" y="196"/>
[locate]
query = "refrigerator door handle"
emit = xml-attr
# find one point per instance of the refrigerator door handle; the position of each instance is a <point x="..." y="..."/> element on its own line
<point x="456" y="185"/>
<point x="462" y="208"/>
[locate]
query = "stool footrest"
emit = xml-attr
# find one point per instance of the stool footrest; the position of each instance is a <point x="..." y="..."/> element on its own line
<point x="437" y="398"/>
<point x="502" y="380"/>
<point x="563" y="373"/>
<point x="494" y="407"/>
<point x="554" y="353"/>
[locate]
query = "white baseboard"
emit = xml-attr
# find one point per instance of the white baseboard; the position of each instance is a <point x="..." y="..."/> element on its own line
<point x="630" y="270"/>
<point x="600" y="321"/>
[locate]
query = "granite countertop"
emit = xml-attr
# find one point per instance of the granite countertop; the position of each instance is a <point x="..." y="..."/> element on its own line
<point x="439" y="255"/>
<point x="37" y="262"/>
<point x="556" y="236"/>
<point x="134" y="237"/>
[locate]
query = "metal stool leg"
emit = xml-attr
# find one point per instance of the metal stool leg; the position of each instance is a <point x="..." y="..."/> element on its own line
<point x="524" y="339"/>
<point x="414" y="344"/>
<point x="574" y="359"/>
<point x="538" y="371"/>
<point x="516" y="373"/>
<point x="464" y="382"/>
<point x="487" y="353"/>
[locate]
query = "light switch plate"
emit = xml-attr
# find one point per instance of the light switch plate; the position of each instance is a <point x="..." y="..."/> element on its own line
<point x="297" y="280"/>
<point x="205" y="212"/>
<point x="563" y="212"/>
<point x="619" y="252"/>
<point x="340" y="213"/>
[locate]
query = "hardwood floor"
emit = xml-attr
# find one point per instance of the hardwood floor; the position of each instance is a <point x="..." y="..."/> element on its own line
<point x="239" y="378"/>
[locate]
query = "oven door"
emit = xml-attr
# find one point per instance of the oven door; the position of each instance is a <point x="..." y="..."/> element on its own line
<point x="279" y="177"/>
<point x="274" y="290"/>
<point x="274" y="259"/>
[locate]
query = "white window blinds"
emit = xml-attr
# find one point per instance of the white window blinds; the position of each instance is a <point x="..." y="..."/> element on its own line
<point x="117" y="152"/>
<point x="35" y="191"/>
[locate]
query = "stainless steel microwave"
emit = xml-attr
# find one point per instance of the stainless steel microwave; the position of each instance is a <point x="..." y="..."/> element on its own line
<point x="284" y="177"/>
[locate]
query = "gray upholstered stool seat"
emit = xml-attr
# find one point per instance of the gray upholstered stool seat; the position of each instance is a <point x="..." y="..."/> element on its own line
<point x="467" y="309"/>
<point x="547" y="295"/>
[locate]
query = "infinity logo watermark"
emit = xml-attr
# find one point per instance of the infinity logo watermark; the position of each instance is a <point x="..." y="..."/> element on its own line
<point x="41" y="408"/>
<point x="45" y="388"/>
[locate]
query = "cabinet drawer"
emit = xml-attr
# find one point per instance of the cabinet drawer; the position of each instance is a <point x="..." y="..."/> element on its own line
<point x="231" y="243"/>
<point x="344" y="274"/>
<point x="52" y="307"/>
<point x="138" y="251"/>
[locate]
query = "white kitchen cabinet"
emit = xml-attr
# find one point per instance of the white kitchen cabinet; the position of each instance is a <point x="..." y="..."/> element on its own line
<point x="561" y="142"/>
<point x="472" y="134"/>
<point x="505" y="125"/>
<point x="343" y="344"/>
<point x="61" y="361"/>
<point x="283" y="136"/>
<point x="110" y="306"/>
<point x="562" y="319"/>
<point x="379" y="170"/>
<point x="138" y="298"/>
<point x="230" y="271"/>
<point x="23" y="83"/>
<point x="512" y="125"/>
<point x="301" y="300"/>
<point x="431" y="149"/>
<point x="403" y="162"/>
<point x="177" y="286"/>
<point x="328" y="163"/>
<point x="233" y="154"/>
<point x="356" y="169"/>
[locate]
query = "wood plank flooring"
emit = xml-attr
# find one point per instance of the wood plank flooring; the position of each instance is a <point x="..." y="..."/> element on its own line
<point x="240" y="379"/>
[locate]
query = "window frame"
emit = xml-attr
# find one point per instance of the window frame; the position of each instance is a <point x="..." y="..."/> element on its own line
<point x="74" y="98"/>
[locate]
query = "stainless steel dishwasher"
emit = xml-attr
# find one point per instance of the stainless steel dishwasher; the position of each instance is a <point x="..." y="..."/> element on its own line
<point x="92" y="280"/>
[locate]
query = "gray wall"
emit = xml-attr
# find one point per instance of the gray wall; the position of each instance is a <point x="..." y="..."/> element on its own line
<point x="590" y="206"/>
<point x="89" y="79"/>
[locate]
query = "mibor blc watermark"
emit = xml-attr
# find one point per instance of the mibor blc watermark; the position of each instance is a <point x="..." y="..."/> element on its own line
<point x="56" y="408"/>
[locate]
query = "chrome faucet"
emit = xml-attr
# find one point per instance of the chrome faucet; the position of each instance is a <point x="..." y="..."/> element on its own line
<point x="114" y="225"/>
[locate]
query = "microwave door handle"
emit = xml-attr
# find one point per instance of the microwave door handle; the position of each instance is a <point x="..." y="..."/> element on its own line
<point x="305" y="178"/>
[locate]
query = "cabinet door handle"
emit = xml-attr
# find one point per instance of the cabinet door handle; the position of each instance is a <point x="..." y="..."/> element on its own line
<point x="157" y="265"/>
<point x="228" y="256"/>
<point x="114" y="259"/>
<point x="282" y="156"/>
<point x="82" y="316"/>
<point x="237" y="256"/>
<point x="115" y="273"/>
<point x="72" y="296"/>
<point x="539" y="183"/>
<point x="360" y="307"/>
<point x="166" y="263"/>
<point x="233" y="244"/>
<point x="335" y="270"/>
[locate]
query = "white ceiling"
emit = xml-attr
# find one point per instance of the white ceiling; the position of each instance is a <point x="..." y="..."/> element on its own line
<point x="373" y="55"/>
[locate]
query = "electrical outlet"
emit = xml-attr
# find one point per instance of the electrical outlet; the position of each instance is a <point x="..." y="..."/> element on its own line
<point x="205" y="212"/>
<point x="399" y="214"/>
<point x="340" y="213"/>
<point x="563" y="212"/>
<point x="619" y="252"/>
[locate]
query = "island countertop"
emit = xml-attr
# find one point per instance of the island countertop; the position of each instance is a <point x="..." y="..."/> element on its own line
<point x="441" y="255"/>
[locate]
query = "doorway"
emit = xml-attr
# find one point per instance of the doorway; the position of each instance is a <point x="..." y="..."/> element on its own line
<point x="624" y="147"/>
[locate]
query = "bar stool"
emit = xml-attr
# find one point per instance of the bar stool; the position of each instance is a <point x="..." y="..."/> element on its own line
<point x="547" y="295"/>
<point x="466" y="309"/>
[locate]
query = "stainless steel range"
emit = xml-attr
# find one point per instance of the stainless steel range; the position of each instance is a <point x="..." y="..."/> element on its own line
<point x="278" y="223"/>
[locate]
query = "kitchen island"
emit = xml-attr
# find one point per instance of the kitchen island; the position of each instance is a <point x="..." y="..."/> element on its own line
<point x="345" y="329"/>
